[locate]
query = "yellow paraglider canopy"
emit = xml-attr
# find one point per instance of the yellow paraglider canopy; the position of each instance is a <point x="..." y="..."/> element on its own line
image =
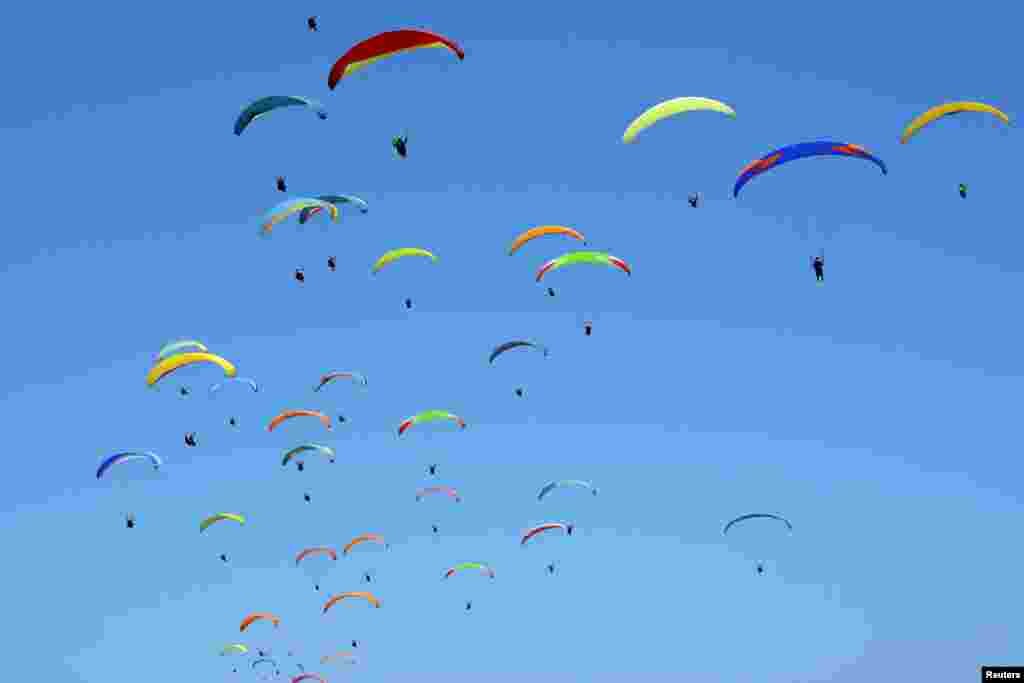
<point x="941" y="110"/>
<point x="672" y="107"/>
<point x="172" y="363"/>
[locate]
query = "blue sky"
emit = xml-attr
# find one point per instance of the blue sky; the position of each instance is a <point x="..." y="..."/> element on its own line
<point x="877" y="413"/>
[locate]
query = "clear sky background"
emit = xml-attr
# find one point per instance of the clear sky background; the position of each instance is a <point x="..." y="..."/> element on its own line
<point x="879" y="413"/>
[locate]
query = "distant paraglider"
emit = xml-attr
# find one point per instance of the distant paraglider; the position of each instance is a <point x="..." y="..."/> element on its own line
<point x="281" y="186"/>
<point x="265" y="105"/>
<point x="401" y="145"/>
<point x="385" y="45"/>
<point x="311" y="23"/>
<point x="962" y="188"/>
<point x="300" y="276"/>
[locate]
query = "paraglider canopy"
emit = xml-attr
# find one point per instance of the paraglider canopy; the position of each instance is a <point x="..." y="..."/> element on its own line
<point x="384" y="45"/>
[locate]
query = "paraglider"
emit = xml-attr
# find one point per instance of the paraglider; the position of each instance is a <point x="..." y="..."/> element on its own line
<point x="369" y="597"/>
<point x="331" y="263"/>
<point x="265" y="105"/>
<point x="128" y="456"/>
<point x="329" y="377"/>
<point x="251" y="383"/>
<point x="566" y="483"/>
<point x="170" y="364"/>
<point x="282" y="210"/>
<point x="673" y="107"/>
<point x="547" y="526"/>
<point x="306" y="447"/>
<point x="329" y="552"/>
<point x="576" y="257"/>
<point x="363" y="538"/>
<point x="430" y="416"/>
<point x="818" y="264"/>
<point x="516" y="344"/>
<point x="400" y="143"/>
<point x="281" y="186"/>
<point x="948" y="109"/>
<point x="289" y="414"/>
<point x="396" y="254"/>
<point x="431" y="490"/>
<point x="307" y="213"/>
<point x="385" y="45"/>
<point x="803" y="150"/>
<point x="300" y="275"/>
<point x="480" y="566"/>
<point x="190" y="440"/>
<point x="257" y="616"/>
<point x="311" y="23"/>
<point x="963" y="191"/>
<point x="542" y="230"/>
<point x="177" y="347"/>
<point x="220" y="517"/>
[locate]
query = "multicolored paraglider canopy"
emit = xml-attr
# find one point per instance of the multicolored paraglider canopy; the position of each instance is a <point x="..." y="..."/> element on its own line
<point x="387" y="44"/>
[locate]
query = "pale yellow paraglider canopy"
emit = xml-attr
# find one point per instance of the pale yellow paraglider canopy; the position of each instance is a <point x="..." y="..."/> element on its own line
<point x="945" y="110"/>
<point x="672" y="107"/>
<point x="396" y="254"/>
<point x="172" y="363"/>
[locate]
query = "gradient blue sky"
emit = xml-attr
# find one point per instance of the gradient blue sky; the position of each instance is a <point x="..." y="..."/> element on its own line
<point x="878" y="413"/>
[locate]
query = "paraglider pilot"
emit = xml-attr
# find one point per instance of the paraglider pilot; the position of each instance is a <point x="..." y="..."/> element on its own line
<point x="300" y="466"/>
<point x="306" y="497"/>
<point x="519" y="391"/>
<point x="432" y="470"/>
<point x="551" y="291"/>
<point x="190" y="439"/>
<point x="818" y="263"/>
<point x="469" y="605"/>
<point x="224" y="558"/>
<point x="588" y="327"/>
<point x="367" y="578"/>
<point x="341" y="418"/>
<point x="408" y="304"/>
<point x="400" y="145"/>
<point x="300" y="275"/>
<point x="184" y="391"/>
<point x="963" y="191"/>
<point x="551" y="568"/>
<point x="760" y="568"/>
<point x="434" y="528"/>
<point x="311" y="23"/>
<point x="129" y="520"/>
<point x="281" y="187"/>
<point x="233" y="422"/>
<point x="694" y="200"/>
<point x="331" y="263"/>
<point x="355" y="643"/>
